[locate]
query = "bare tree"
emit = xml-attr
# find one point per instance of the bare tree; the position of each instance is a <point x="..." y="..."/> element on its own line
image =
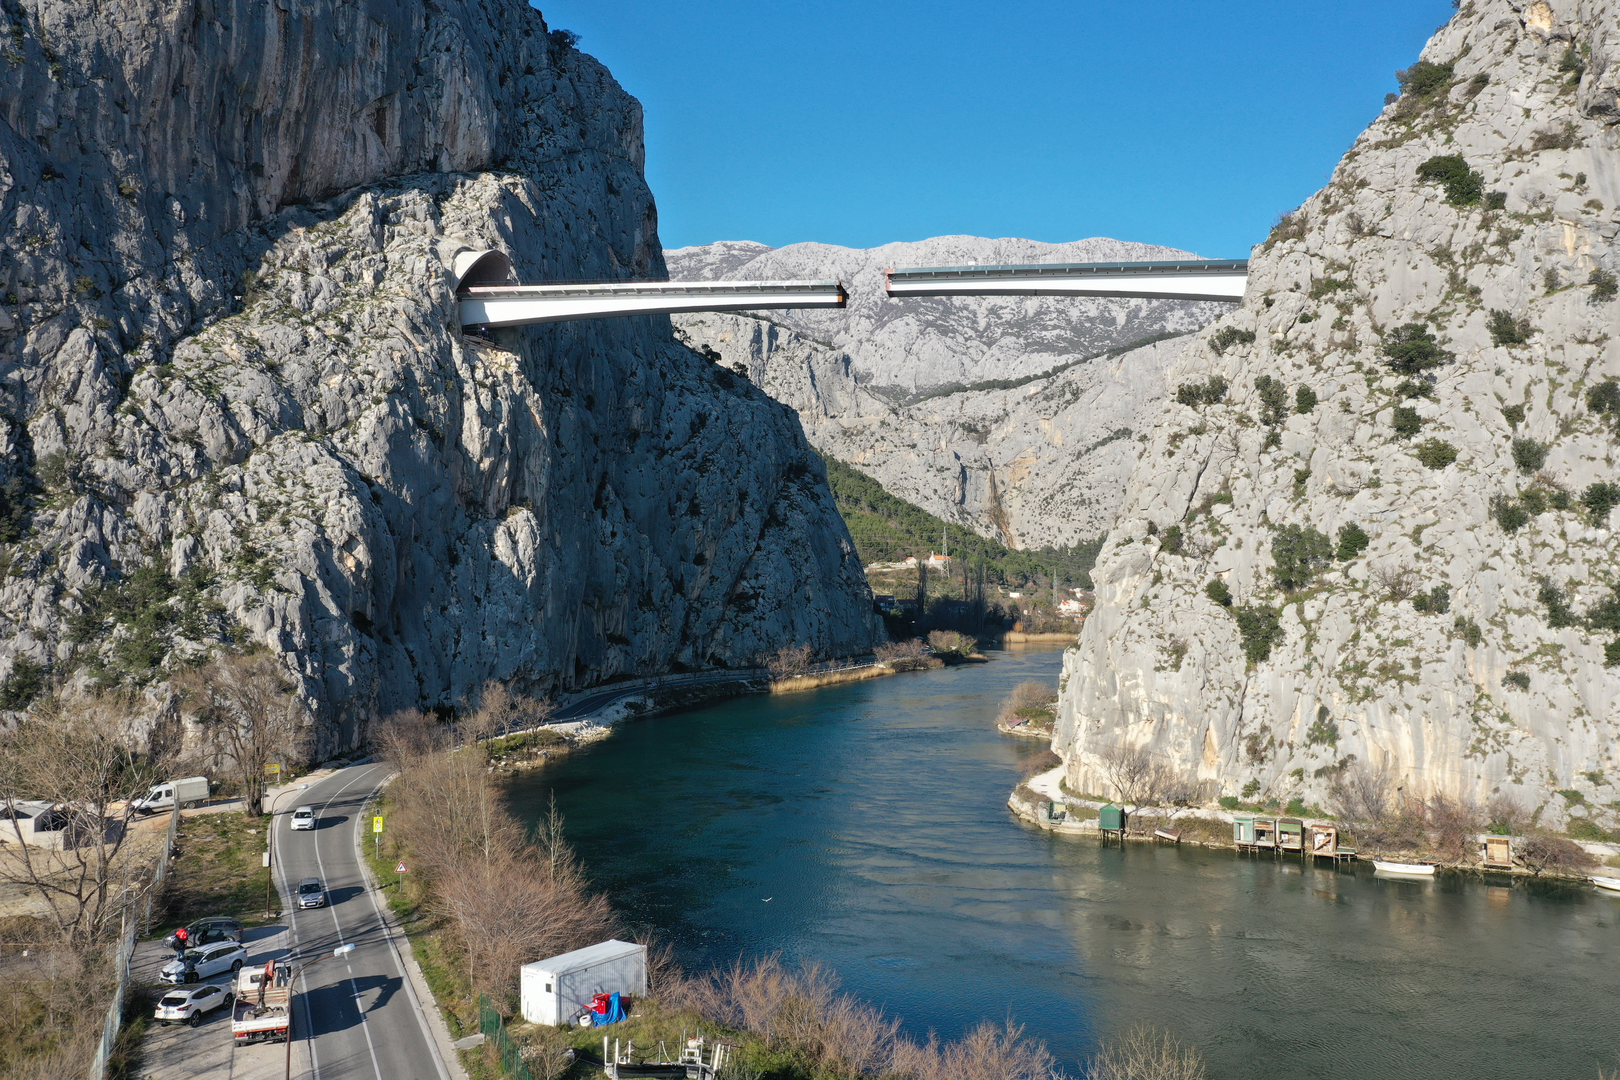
<point x="1129" y="771"/>
<point x="1145" y="1054"/>
<point x="1561" y="856"/>
<point x="405" y="738"/>
<point x="250" y="717"/>
<point x="1395" y="582"/>
<point x="74" y="755"/>
<point x="1360" y="793"/>
<point x="1452" y="825"/>
<point x="500" y="711"/>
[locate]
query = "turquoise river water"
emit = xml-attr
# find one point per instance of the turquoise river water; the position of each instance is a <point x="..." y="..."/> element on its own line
<point x="865" y="826"/>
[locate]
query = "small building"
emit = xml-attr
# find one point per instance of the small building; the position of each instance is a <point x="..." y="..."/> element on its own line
<point x="1291" y="835"/>
<point x="37" y="824"/>
<point x="1112" y="820"/>
<point x="1054" y="812"/>
<point x="557" y="990"/>
<point x="1497" y="853"/>
<point x="1265" y="833"/>
<point x="1243" y="830"/>
<point x="1324" y="839"/>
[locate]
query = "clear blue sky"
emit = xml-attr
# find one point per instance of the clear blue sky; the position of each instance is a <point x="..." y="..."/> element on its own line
<point x="1191" y="123"/>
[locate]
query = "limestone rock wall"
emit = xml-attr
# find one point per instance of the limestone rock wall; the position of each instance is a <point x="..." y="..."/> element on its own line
<point x="1040" y="464"/>
<point x="1498" y="692"/>
<point x="229" y="349"/>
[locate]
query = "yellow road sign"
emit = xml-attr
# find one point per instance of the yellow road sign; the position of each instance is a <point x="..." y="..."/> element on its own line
<point x="376" y="823"/>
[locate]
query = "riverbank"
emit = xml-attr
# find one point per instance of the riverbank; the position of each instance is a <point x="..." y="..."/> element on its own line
<point x="1212" y="828"/>
<point x="1018" y="637"/>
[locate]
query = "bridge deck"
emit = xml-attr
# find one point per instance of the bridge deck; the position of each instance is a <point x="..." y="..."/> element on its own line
<point x="519" y="305"/>
<point x="1200" y="279"/>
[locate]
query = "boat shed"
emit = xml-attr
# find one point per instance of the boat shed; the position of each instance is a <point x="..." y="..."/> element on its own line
<point x="1497" y="853"/>
<point x="1243" y="830"/>
<point x="1112" y="820"/>
<point x="1291" y="835"/>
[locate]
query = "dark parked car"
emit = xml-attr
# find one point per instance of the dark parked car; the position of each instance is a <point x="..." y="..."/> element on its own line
<point x="207" y="931"/>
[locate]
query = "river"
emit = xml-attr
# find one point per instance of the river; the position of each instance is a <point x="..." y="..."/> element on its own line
<point x="865" y="826"/>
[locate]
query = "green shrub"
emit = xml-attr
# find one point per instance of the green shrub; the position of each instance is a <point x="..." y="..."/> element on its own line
<point x="1570" y="64"/>
<point x="1553" y="597"/>
<point x="1605" y="614"/>
<point x="1273" y="400"/>
<point x="1208" y="392"/>
<point x="1513" y="414"/>
<point x="1604" y="399"/>
<point x="1496" y="200"/>
<point x="1518" y="679"/>
<point x="1297" y="552"/>
<point x="1506" y="330"/>
<point x="1469" y="631"/>
<point x="1171" y="541"/>
<point x="1604" y="286"/>
<point x="1464" y="187"/>
<point x="1437" y="601"/>
<point x="1230" y="802"/>
<point x="24" y="683"/>
<point x="1411" y="388"/>
<point x="1328" y="285"/>
<point x="1436" y="453"/>
<point x="1324" y="731"/>
<point x="1288" y="227"/>
<point x="1599" y="498"/>
<point x="1251" y="789"/>
<point x="1353" y="540"/>
<point x="1304" y="400"/>
<point x="1534" y="501"/>
<point x="1611" y="653"/>
<point x="1217" y="591"/>
<point x="1300" y="477"/>
<point x="1581" y="828"/>
<point x="1423" y="78"/>
<point x="1227" y="336"/>
<point x="1412" y="349"/>
<point x="1406" y="422"/>
<point x="1261" y="628"/>
<point x="1510" y="514"/>
<point x="1529" y="455"/>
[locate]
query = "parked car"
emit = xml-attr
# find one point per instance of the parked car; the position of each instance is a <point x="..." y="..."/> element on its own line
<point x="311" y="893"/>
<point x="206" y="931"/>
<point x="194" y="964"/>
<point x="188" y="1006"/>
<point x="303" y="817"/>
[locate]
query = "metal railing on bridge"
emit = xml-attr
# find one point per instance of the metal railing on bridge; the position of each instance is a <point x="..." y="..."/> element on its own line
<point x="1190" y="279"/>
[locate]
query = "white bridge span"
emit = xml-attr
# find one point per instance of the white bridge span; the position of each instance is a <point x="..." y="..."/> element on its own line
<point x="1194" y="279"/>
<point x="491" y="297"/>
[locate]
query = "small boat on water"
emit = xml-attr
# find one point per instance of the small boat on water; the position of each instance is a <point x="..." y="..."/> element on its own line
<point x="1408" y="869"/>
<point x="1609" y="884"/>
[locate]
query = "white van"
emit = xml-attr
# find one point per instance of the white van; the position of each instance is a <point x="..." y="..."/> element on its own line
<point x="188" y="792"/>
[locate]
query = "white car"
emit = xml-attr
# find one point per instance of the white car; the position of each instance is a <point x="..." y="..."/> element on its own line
<point x="304" y="818"/>
<point x="210" y="960"/>
<point x="188" y="1006"/>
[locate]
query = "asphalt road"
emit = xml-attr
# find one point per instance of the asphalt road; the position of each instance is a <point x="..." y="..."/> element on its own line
<point x="357" y="1015"/>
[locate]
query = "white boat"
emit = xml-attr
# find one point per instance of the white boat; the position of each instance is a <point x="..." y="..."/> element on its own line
<point x="1612" y="884"/>
<point x="1409" y="869"/>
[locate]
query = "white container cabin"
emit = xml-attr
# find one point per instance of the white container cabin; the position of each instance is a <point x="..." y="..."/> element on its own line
<point x="557" y="990"/>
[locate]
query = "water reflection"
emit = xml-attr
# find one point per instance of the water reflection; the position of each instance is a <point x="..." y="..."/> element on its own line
<point x="872" y="816"/>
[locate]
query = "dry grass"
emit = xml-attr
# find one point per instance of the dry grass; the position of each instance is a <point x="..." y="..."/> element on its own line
<point x="217" y="870"/>
<point x="1146" y="1054"/>
<point x="51" y="1009"/>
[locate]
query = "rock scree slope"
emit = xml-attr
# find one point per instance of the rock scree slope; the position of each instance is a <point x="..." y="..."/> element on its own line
<point x="1418" y="566"/>
<point x="238" y="406"/>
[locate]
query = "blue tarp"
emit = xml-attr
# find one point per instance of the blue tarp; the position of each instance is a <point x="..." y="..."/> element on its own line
<point x="614" y="1014"/>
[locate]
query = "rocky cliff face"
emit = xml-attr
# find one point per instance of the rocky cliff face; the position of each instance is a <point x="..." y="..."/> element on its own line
<point x="899" y="347"/>
<point x="1035" y="465"/>
<point x="1466" y="648"/>
<point x="238" y="405"/>
<point x="894" y="387"/>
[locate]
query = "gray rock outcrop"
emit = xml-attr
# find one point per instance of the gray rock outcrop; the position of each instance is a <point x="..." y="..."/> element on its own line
<point x="1037" y="465"/>
<point x="1467" y="650"/>
<point x="229" y="350"/>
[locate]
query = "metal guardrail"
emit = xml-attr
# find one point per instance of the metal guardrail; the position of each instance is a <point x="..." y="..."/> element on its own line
<point x="133" y="930"/>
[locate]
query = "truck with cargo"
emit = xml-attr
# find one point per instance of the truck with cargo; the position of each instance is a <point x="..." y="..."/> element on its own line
<point x="261" y="1004"/>
<point x="188" y="792"/>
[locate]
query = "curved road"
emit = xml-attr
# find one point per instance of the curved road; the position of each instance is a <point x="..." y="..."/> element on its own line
<point x="355" y="1015"/>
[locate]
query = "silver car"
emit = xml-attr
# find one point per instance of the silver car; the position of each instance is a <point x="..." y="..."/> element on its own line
<point x="188" y="1006"/>
<point x="311" y="893"/>
<point x="303" y="817"/>
<point x="203" y="963"/>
